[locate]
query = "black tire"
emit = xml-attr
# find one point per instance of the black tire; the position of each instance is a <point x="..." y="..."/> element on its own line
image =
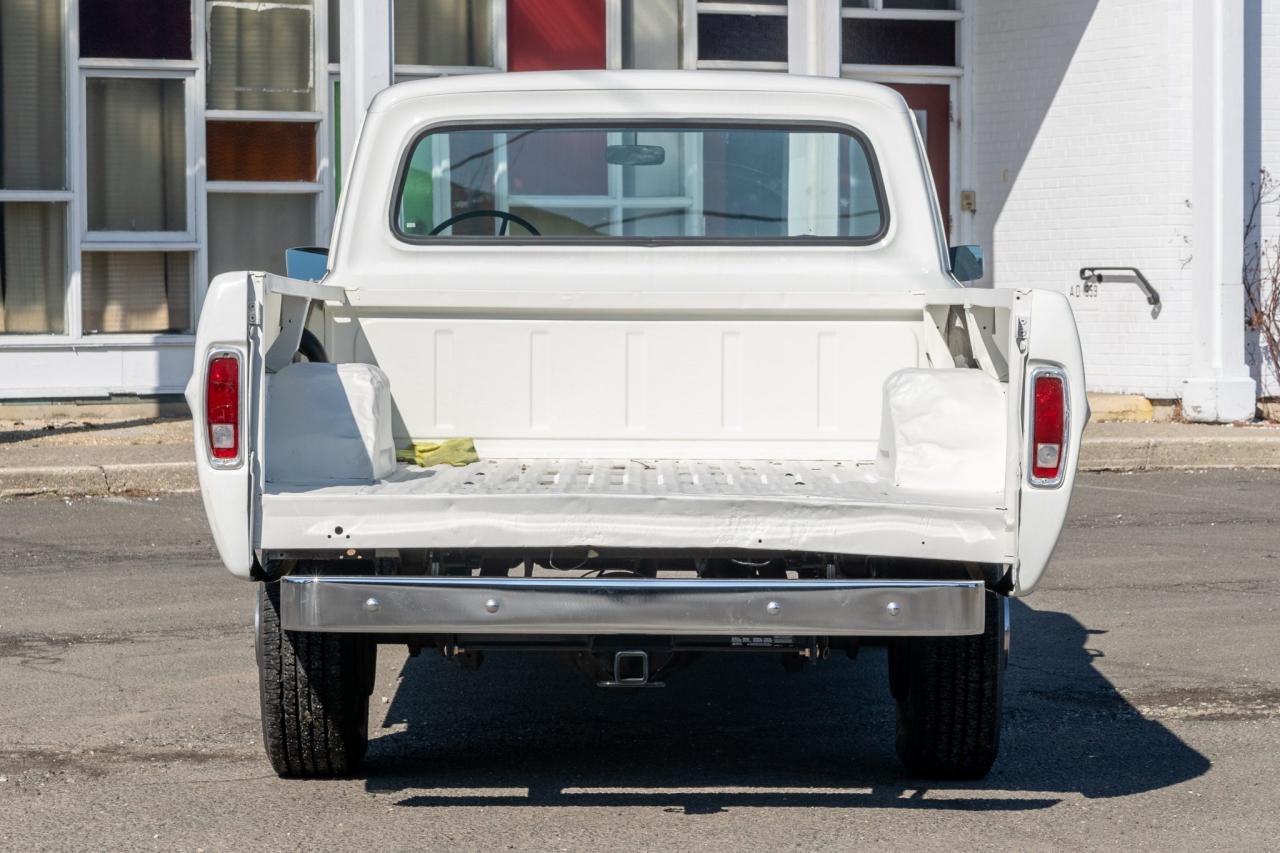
<point x="949" y="693"/>
<point x="314" y="689"/>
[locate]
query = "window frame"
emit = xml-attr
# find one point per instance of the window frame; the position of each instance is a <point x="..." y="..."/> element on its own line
<point x="689" y="34"/>
<point x="484" y="241"/>
<point x="67" y="196"/>
<point x="91" y="239"/>
<point x="190" y="241"/>
<point x="320" y="186"/>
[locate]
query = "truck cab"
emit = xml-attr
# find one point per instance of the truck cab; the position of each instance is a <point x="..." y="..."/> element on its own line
<point x="639" y="366"/>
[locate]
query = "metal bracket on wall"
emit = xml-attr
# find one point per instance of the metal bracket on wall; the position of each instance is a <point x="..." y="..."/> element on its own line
<point x="1096" y="275"/>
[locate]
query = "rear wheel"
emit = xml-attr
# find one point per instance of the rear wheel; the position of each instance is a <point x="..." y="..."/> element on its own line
<point x="948" y="692"/>
<point x="314" y="688"/>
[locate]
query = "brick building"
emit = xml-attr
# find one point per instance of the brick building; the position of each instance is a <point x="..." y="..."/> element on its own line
<point x="145" y="147"/>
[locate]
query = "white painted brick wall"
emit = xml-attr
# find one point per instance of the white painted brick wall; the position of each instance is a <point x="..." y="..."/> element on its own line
<point x="1082" y="156"/>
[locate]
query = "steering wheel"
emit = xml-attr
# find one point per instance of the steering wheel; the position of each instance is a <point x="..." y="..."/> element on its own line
<point x="506" y="216"/>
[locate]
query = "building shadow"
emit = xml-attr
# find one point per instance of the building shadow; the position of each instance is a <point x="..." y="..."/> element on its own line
<point x="527" y="730"/>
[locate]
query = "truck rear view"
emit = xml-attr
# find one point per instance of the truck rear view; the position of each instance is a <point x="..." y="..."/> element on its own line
<point x="639" y="367"/>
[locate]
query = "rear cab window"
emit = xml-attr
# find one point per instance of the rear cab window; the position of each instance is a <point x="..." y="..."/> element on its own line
<point x="641" y="183"/>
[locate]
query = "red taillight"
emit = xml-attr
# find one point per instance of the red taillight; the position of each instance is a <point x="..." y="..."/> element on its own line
<point x="222" y="406"/>
<point x="1049" y="426"/>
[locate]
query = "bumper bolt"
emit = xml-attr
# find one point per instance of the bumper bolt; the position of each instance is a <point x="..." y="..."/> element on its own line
<point x="773" y="608"/>
<point x="894" y="608"/>
<point x="372" y="605"/>
<point x="491" y="605"/>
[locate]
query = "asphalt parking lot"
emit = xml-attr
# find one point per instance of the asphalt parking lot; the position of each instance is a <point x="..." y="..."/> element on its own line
<point x="1142" y="709"/>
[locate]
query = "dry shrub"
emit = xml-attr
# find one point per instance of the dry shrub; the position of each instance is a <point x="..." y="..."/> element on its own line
<point x="1262" y="283"/>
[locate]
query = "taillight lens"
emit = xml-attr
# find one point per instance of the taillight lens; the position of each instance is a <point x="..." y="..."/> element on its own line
<point x="222" y="406"/>
<point x="1049" y="427"/>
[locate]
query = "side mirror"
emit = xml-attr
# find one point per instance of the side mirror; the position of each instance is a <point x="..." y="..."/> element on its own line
<point x="966" y="262"/>
<point x="306" y="263"/>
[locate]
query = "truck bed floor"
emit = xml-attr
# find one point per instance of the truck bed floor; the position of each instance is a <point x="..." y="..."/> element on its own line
<point x="838" y="507"/>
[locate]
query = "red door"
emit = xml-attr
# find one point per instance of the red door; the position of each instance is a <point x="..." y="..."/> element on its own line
<point x="932" y="106"/>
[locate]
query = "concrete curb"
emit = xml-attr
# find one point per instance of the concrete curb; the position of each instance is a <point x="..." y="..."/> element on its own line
<point x="144" y="478"/>
<point x="1164" y="453"/>
<point x="1168" y="453"/>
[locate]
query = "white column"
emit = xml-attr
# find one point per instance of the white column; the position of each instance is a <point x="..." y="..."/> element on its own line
<point x="813" y="48"/>
<point x="1220" y="387"/>
<point x="366" y="64"/>
<point x="813" y="37"/>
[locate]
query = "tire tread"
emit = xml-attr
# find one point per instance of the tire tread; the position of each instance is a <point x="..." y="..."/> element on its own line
<point x="949" y="710"/>
<point x="313" y="695"/>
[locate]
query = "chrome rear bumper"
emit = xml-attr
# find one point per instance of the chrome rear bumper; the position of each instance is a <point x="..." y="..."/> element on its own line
<point x="668" y="607"/>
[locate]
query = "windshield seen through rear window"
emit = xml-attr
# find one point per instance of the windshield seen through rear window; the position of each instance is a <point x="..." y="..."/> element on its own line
<point x="641" y="183"/>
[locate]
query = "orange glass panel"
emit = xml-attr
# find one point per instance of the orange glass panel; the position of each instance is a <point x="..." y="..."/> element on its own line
<point x="261" y="151"/>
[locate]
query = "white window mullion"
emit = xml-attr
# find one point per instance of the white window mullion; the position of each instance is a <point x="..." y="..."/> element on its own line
<point x="813" y="38"/>
<point x="689" y="34"/>
<point x="501" y="177"/>
<point x="695" y="220"/>
<point x="198" y="165"/>
<point x="36" y="195"/>
<point x="77" y="210"/>
<point x="321" y="92"/>
<point x="265" y="187"/>
<point x="613" y="33"/>
<point x="312" y="117"/>
<point x="441" y="200"/>
<point x="614" y="183"/>
<point x="194" y="168"/>
<point x="132" y="243"/>
<point x="500" y="35"/>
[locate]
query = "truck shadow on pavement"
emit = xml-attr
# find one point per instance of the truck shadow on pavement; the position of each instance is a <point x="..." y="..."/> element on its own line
<point x="527" y="730"/>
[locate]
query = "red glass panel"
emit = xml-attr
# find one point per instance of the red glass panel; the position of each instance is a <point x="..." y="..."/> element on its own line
<point x="548" y="35"/>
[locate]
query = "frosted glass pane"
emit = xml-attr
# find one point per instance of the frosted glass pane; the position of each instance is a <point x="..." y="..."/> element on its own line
<point x="137" y="154"/>
<point x="33" y="267"/>
<point x="260" y="57"/>
<point x="32" y="146"/>
<point x="136" y="291"/>
<point x="251" y="232"/>
<point x="444" y="32"/>
<point x="650" y="33"/>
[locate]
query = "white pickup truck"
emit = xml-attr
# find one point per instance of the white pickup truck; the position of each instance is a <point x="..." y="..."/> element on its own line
<point x="726" y="392"/>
